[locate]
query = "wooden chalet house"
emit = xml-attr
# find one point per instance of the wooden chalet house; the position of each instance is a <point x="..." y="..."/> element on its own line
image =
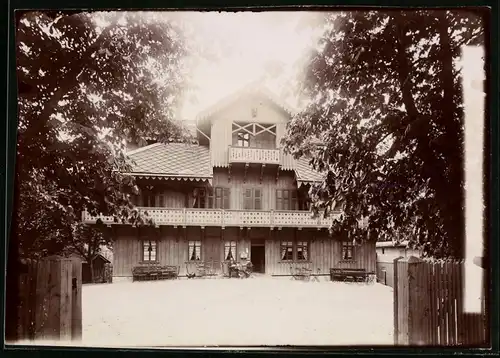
<point x="235" y="195"/>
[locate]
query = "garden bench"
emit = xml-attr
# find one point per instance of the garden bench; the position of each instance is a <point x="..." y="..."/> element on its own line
<point x="169" y="272"/>
<point x="348" y="274"/>
<point x="154" y="272"/>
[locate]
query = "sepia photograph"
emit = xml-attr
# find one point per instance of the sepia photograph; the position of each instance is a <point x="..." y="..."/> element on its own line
<point x="256" y="178"/>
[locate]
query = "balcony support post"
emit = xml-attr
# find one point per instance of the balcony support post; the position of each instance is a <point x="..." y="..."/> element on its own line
<point x="262" y="167"/>
<point x="245" y="172"/>
<point x="278" y="173"/>
<point x="228" y="173"/>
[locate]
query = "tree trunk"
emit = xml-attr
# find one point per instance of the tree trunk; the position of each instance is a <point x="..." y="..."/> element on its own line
<point x="441" y="183"/>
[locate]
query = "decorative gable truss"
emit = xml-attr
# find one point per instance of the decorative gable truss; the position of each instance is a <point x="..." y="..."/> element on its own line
<point x="254" y="129"/>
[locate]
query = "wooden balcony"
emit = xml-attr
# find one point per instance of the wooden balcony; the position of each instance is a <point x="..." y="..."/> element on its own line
<point x="253" y="155"/>
<point x="226" y="218"/>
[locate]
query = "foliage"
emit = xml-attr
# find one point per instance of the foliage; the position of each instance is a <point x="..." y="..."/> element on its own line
<point x="386" y="106"/>
<point x="88" y="82"/>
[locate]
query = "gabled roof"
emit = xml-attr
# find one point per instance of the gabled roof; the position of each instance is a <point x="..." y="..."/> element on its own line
<point x="102" y="257"/>
<point x="251" y="89"/>
<point x="172" y="161"/>
<point x="305" y="173"/>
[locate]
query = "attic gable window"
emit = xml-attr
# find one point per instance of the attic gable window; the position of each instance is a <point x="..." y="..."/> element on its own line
<point x="254" y="112"/>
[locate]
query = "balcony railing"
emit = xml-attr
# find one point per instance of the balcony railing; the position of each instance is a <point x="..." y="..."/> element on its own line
<point x="254" y="155"/>
<point x="226" y="218"/>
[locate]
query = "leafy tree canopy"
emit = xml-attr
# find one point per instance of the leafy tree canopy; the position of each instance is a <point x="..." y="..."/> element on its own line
<point x="89" y="82"/>
<point x="385" y="104"/>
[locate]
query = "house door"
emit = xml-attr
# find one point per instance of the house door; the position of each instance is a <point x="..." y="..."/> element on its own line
<point x="212" y="252"/>
<point x="258" y="258"/>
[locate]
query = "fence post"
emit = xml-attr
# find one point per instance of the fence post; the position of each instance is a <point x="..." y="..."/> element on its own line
<point x="396" y="298"/>
<point x="418" y="301"/>
<point x="54" y="298"/>
<point x="76" y="299"/>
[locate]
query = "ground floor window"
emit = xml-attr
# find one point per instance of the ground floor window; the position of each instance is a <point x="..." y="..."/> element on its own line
<point x="230" y="250"/>
<point x="294" y="250"/>
<point x="347" y="250"/>
<point x="302" y="250"/>
<point x="149" y="250"/>
<point x="286" y="250"/>
<point x="194" y="250"/>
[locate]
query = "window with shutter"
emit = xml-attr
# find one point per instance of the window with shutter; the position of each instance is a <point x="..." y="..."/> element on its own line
<point x="210" y="198"/>
<point x="279" y="199"/>
<point x="218" y="198"/>
<point x="293" y="202"/>
<point x="225" y="198"/>
<point x="161" y="201"/>
<point x="247" y="199"/>
<point x="286" y="200"/>
<point x="257" y="199"/>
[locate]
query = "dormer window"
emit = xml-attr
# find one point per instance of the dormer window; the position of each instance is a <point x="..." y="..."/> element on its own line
<point x="243" y="139"/>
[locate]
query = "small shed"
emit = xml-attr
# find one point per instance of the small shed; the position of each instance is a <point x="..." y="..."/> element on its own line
<point x="102" y="270"/>
<point x="391" y="249"/>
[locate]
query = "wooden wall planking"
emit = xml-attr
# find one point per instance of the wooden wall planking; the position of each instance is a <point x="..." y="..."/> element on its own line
<point x="237" y="185"/>
<point x="324" y="251"/>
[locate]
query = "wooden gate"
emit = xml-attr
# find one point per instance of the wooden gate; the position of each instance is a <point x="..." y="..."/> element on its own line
<point x="428" y="305"/>
<point x="50" y="304"/>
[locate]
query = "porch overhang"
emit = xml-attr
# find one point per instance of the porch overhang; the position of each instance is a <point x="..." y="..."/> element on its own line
<point x="171" y="176"/>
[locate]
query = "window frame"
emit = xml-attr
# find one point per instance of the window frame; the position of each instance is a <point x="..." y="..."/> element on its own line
<point x="219" y="198"/>
<point x="198" y="198"/>
<point x="345" y="245"/>
<point x="197" y="243"/>
<point x="252" y="199"/>
<point x="286" y="244"/>
<point x="302" y="244"/>
<point x="295" y="246"/>
<point x="150" y="243"/>
<point x="288" y="196"/>
<point x="232" y="244"/>
<point x="243" y="139"/>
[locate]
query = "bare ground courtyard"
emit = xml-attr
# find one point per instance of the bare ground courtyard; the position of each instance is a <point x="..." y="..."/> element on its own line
<point x="241" y="312"/>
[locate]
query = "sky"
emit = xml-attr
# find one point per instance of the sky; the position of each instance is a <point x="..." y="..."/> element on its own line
<point x="251" y="44"/>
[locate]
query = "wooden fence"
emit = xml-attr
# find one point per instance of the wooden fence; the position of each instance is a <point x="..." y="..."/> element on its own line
<point x="428" y="305"/>
<point x="50" y="304"/>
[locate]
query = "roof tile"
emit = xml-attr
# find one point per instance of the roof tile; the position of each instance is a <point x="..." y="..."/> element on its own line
<point x="172" y="159"/>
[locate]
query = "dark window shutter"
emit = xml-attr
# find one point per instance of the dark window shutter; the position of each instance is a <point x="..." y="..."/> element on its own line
<point x="286" y="200"/>
<point x="279" y="199"/>
<point x="218" y="198"/>
<point x="247" y="199"/>
<point x="210" y="198"/>
<point x="258" y="199"/>
<point x="294" y="200"/>
<point x="225" y="195"/>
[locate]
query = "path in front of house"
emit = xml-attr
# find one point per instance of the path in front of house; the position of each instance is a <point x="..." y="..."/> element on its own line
<point x="243" y="312"/>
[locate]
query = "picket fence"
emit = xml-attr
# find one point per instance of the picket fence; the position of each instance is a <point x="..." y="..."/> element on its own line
<point x="50" y="307"/>
<point x="428" y="305"/>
